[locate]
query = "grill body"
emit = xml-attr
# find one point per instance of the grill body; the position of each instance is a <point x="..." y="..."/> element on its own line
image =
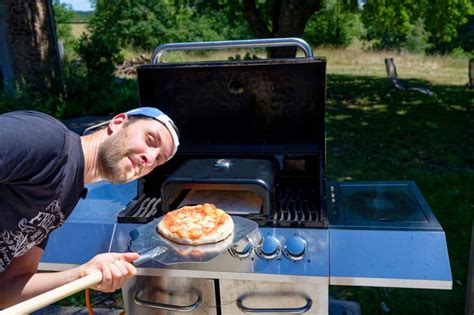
<point x="233" y="118"/>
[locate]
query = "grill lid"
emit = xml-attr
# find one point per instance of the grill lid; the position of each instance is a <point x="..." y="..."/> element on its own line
<point x="272" y="106"/>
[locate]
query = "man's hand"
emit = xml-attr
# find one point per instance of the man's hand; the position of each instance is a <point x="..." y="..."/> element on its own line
<point x="115" y="268"/>
<point x="20" y="280"/>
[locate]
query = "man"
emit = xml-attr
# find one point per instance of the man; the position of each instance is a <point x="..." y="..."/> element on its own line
<point x="43" y="170"/>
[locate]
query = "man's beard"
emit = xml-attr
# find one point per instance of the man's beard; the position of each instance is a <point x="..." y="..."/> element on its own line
<point x="110" y="153"/>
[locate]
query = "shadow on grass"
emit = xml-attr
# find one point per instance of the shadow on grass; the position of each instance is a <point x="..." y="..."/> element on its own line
<point x="375" y="132"/>
<point x="367" y="119"/>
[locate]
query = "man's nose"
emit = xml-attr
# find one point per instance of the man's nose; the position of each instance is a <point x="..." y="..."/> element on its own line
<point x="150" y="156"/>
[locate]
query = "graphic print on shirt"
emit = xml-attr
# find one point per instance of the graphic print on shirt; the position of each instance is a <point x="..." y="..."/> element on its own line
<point x="29" y="233"/>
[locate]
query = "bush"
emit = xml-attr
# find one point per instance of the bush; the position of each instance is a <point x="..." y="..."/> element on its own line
<point x="90" y="93"/>
<point x="23" y="98"/>
<point x="331" y="26"/>
<point x="458" y="52"/>
<point x="100" y="53"/>
<point x="417" y="38"/>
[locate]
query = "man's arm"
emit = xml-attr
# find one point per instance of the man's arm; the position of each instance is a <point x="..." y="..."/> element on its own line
<point x="20" y="281"/>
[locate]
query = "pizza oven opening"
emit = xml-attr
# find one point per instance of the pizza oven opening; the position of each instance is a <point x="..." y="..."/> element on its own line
<point x="240" y="186"/>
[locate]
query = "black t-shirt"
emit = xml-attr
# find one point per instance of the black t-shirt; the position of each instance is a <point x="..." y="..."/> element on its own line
<point x="41" y="179"/>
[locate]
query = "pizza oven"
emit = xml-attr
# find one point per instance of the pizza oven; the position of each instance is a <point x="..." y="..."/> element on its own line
<point x="252" y="136"/>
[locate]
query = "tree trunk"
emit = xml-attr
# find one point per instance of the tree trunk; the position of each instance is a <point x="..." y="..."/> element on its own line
<point x="30" y="48"/>
<point x="289" y="18"/>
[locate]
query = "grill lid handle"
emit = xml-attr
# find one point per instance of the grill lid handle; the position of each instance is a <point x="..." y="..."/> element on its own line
<point x="232" y="44"/>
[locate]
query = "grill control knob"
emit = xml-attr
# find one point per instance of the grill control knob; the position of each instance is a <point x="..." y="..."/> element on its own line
<point x="242" y="249"/>
<point x="268" y="247"/>
<point x="295" y="248"/>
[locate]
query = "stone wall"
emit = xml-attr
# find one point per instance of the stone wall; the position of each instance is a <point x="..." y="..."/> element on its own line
<point x="30" y="50"/>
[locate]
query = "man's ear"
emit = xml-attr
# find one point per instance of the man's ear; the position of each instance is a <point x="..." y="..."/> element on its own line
<point x="117" y="123"/>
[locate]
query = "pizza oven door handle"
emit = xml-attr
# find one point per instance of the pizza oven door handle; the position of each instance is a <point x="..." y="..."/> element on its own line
<point x="295" y="310"/>
<point x="168" y="307"/>
<point x="233" y="44"/>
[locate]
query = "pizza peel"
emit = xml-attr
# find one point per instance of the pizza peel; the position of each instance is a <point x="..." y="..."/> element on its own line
<point x="146" y="241"/>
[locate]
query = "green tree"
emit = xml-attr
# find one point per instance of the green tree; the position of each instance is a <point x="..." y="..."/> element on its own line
<point x="391" y="23"/>
<point x="465" y="40"/>
<point x="270" y="19"/>
<point x="147" y="23"/>
<point x="442" y="19"/>
<point x="136" y="23"/>
<point x="63" y="16"/>
<point x="225" y="17"/>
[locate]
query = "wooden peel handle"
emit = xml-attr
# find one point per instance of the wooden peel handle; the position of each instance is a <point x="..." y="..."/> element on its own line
<point x="54" y="295"/>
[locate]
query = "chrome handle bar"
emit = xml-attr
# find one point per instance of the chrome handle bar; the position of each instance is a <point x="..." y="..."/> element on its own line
<point x="232" y="44"/>
<point x="168" y="307"/>
<point x="296" y="310"/>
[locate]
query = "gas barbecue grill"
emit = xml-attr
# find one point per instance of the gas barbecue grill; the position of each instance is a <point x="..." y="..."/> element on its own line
<point x="253" y="142"/>
<point x="252" y="139"/>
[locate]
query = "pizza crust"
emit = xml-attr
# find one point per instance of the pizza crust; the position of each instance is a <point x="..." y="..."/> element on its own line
<point x="197" y="252"/>
<point x="196" y="225"/>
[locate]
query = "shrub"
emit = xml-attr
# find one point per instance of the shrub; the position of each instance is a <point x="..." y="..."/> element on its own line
<point x="333" y="26"/>
<point x="417" y="38"/>
<point x="20" y="97"/>
<point x="458" y="52"/>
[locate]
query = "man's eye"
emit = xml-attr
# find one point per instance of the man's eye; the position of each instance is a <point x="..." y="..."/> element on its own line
<point x="150" y="140"/>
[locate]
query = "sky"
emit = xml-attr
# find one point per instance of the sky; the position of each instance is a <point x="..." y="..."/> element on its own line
<point x="78" y="5"/>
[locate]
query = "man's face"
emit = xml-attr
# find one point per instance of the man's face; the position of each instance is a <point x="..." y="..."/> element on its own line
<point x="133" y="150"/>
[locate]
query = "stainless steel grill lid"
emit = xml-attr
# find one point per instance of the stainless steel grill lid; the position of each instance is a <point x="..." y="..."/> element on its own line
<point x="146" y="241"/>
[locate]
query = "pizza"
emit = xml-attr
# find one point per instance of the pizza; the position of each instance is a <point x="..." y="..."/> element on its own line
<point x="196" y="225"/>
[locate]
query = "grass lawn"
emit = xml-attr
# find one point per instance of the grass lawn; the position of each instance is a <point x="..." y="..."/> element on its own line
<point x="78" y="29"/>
